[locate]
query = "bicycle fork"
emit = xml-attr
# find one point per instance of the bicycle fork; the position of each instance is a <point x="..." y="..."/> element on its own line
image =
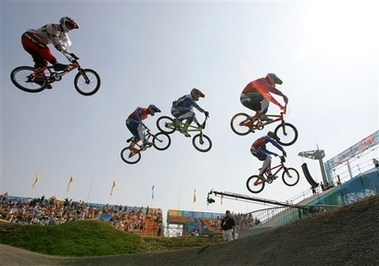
<point x="84" y="75"/>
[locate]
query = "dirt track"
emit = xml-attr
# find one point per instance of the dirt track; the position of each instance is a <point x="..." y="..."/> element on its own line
<point x="345" y="236"/>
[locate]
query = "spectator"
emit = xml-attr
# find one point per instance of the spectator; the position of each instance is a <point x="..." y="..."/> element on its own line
<point x="376" y="163"/>
<point x="228" y="227"/>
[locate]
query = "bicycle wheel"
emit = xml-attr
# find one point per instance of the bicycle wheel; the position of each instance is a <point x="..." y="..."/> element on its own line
<point x="20" y="77"/>
<point x="166" y="124"/>
<point x="202" y="143"/>
<point x="237" y="123"/>
<point x="290" y="176"/>
<point x="87" y="82"/>
<point x="287" y="134"/>
<point x="130" y="156"/>
<point x="161" y="141"/>
<point x="254" y="184"/>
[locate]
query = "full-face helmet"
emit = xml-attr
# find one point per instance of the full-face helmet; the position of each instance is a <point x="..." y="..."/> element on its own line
<point x="273" y="79"/>
<point x="68" y="24"/>
<point x="196" y="94"/>
<point x="153" y="109"/>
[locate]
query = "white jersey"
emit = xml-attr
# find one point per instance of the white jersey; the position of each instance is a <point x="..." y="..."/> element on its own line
<point x="53" y="34"/>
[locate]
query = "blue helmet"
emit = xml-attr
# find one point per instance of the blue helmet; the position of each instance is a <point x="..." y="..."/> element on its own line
<point x="153" y="109"/>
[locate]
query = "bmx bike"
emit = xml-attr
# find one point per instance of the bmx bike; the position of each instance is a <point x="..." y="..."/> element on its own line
<point x="243" y="124"/>
<point x="132" y="154"/>
<point x="200" y="141"/>
<point x="290" y="177"/>
<point x="28" y="79"/>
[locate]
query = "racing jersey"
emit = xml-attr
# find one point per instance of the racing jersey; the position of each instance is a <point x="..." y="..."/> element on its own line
<point x="53" y="34"/>
<point x="262" y="87"/>
<point x="260" y="144"/>
<point x="187" y="101"/>
<point x="138" y="115"/>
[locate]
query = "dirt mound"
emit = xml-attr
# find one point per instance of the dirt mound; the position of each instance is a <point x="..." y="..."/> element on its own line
<point x="347" y="235"/>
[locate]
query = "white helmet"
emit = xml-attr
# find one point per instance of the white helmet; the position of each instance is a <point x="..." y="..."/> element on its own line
<point x="68" y="24"/>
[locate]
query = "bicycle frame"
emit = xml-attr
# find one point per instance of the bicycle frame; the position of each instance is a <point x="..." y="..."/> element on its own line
<point x="275" y="173"/>
<point x="40" y="74"/>
<point x="136" y="146"/>
<point x="259" y="124"/>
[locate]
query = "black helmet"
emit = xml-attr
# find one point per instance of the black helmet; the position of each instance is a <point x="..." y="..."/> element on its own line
<point x="273" y="79"/>
<point x="153" y="109"/>
<point x="273" y="135"/>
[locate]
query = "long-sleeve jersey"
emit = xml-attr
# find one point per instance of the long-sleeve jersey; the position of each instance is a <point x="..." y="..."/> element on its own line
<point x="260" y="144"/>
<point x="138" y="115"/>
<point x="263" y="87"/>
<point x="53" y="34"/>
<point x="187" y="101"/>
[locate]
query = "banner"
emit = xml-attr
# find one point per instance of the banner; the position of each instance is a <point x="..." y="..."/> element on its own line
<point x="69" y="183"/>
<point x="113" y="185"/>
<point x="36" y="180"/>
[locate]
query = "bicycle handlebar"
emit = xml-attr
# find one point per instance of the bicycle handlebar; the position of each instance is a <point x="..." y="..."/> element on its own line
<point x="70" y="56"/>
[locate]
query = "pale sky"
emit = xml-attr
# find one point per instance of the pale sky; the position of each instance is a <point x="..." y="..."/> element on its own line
<point x="147" y="52"/>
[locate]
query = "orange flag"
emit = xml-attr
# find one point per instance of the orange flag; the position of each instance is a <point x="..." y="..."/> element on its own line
<point x="69" y="183"/>
<point x="113" y="185"/>
<point x="36" y="180"/>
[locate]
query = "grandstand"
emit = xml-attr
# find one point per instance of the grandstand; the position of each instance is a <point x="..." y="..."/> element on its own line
<point x="359" y="180"/>
<point x="193" y="223"/>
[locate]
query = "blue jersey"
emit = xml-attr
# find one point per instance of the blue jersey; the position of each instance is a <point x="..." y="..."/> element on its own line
<point x="260" y="144"/>
<point x="186" y="101"/>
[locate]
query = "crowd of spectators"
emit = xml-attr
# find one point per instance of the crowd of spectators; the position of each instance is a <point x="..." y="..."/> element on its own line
<point x="140" y="220"/>
<point x="244" y="221"/>
<point x="48" y="211"/>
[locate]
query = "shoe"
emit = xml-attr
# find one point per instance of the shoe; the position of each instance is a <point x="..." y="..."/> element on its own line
<point x="176" y="123"/>
<point x="146" y="145"/>
<point x="48" y="86"/>
<point x="271" y="176"/>
<point x="59" y="67"/>
<point x="202" y="126"/>
<point x="262" y="178"/>
<point x="264" y="117"/>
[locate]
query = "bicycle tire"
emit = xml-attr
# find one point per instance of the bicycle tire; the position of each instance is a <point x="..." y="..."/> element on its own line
<point x="161" y="141"/>
<point x="125" y="156"/>
<point x="202" y="147"/>
<point x="235" y="124"/>
<point x="165" y="124"/>
<point x="290" y="176"/>
<point x="20" y="78"/>
<point x="87" y="82"/>
<point x="287" y="133"/>
<point x="252" y="186"/>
